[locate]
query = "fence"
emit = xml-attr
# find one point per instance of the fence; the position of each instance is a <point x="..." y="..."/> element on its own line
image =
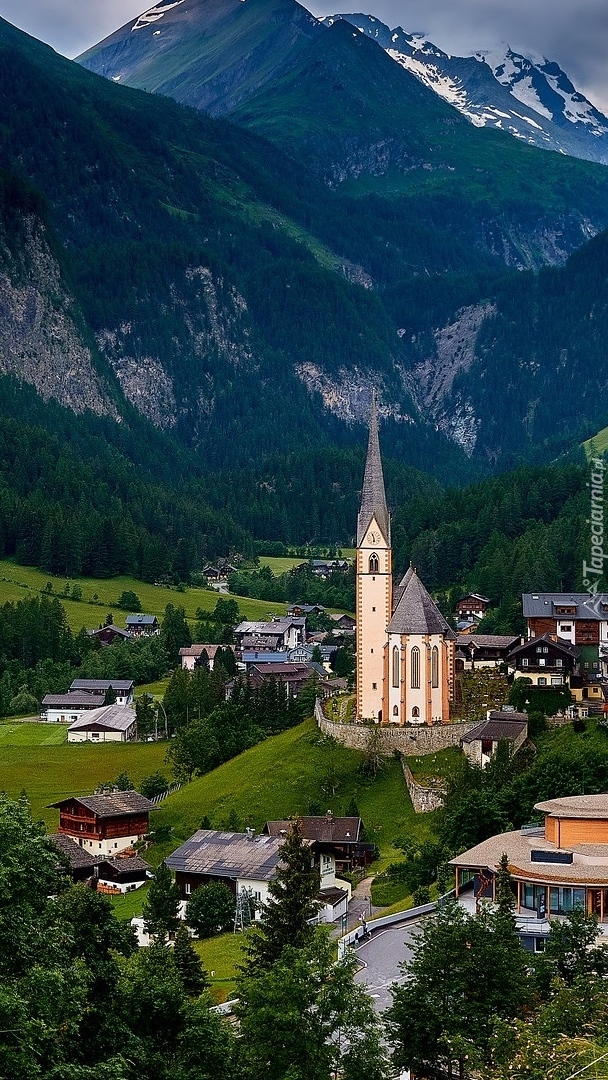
<point x="163" y="794"/>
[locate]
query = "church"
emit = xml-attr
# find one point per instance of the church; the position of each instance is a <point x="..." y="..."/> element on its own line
<point x="405" y="647"/>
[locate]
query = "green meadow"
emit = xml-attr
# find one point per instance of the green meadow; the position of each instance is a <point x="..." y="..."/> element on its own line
<point x="37" y="759"/>
<point x="99" y="596"/>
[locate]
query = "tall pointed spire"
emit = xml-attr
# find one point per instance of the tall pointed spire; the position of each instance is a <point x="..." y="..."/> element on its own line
<point x="373" y="497"/>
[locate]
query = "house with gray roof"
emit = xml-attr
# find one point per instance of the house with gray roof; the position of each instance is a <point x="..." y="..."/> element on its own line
<point x="123" y="688"/>
<point x="67" y="708"/>
<point x="110" y="723"/>
<point x="238" y="860"/>
<point x="481" y="742"/>
<point x="555" y="866"/>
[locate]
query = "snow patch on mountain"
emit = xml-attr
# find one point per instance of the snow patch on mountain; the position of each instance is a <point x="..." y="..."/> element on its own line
<point x="154" y="14"/>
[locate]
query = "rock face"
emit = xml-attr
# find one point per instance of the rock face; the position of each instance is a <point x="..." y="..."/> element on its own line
<point x="39" y="339"/>
<point x="172" y="378"/>
<point x="432" y="380"/>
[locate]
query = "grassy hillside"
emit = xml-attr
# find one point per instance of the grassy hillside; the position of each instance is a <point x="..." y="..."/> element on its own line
<point x="283" y="776"/>
<point x="38" y="760"/>
<point x="99" y="596"/>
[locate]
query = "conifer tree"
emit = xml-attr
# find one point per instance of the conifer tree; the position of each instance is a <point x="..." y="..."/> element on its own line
<point x="188" y="964"/>
<point x="292" y="904"/>
<point x="162" y="905"/>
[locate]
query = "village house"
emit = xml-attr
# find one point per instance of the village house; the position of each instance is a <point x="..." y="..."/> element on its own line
<point x="191" y="656"/>
<point x="110" y="723"/>
<point x="238" y="860"/>
<point x="276" y="635"/>
<point x="323" y="568"/>
<point x="66" y="708"/>
<point x="578" y="618"/>
<point x="555" y="867"/>
<point x="293" y="676"/>
<point x="112" y="874"/>
<point x="123" y="688"/>
<point x="481" y="742"/>
<point x="81" y="863"/>
<point x="302" y="610"/>
<point x="121" y="874"/>
<point x="142" y="625"/>
<point x="472" y="606"/>
<point x="484" y="650"/>
<point x="337" y="841"/>
<point x="105" y="824"/>
<point x="344" y="623"/>
<point x="244" y="861"/>
<point x="107" y="635"/>
<point x="546" y="660"/>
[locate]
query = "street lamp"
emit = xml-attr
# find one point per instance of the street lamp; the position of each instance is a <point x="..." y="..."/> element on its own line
<point x="159" y="705"/>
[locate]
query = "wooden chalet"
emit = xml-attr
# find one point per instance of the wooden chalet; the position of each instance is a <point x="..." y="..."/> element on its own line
<point x="105" y="824"/>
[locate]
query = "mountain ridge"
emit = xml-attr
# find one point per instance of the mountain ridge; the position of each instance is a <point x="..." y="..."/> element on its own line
<point x="534" y="100"/>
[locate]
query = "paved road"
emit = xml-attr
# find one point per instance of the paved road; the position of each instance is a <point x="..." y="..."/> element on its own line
<point x="382" y="954"/>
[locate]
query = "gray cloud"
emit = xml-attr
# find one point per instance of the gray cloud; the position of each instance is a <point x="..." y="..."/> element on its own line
<point x="573" y="32"/>
<point x="70" y="26"/>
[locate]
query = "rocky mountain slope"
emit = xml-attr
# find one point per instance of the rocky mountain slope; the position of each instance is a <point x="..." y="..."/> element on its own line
<point x="534" y="100"/>
<point x="211" y="282"/>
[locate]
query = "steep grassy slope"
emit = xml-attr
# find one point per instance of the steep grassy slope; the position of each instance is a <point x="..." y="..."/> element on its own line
<point x="283" y="776"/>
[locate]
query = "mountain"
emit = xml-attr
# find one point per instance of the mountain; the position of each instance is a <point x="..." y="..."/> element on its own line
<point x="453" y="196"/>
<point x="198" y="274"/>
<point x="533" y="100"/>
<point x="210" y="287"/>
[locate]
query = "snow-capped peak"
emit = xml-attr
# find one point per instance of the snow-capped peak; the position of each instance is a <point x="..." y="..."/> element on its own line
<point x="519" y="91"/>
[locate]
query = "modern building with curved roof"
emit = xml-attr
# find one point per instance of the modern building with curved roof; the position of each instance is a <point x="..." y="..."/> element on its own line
<point x="555" y="867"/>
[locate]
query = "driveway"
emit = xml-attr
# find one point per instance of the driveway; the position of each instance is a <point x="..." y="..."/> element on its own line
<point x="382" y="954"/>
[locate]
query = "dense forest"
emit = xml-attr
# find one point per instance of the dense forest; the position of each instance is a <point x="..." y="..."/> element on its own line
<point x="79" y="497"/>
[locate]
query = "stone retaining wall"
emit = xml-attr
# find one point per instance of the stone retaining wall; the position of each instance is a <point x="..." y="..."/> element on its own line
<point x="411" y="739"/>
<point x="423" y="799"/>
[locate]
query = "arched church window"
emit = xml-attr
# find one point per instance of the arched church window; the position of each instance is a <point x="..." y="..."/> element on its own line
<point x="374" y="565"/>
<point x="395" y="710"/>
<point x="395" y="666"/>
<point x="415" y="713"/>
<point x="415" y="662"/>
<point x="435" y="666"/>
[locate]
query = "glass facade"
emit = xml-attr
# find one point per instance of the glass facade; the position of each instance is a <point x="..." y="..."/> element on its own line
<point x="561" y="900"/>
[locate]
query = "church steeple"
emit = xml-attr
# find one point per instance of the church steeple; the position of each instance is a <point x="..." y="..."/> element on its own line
<point x="373" y="497"/>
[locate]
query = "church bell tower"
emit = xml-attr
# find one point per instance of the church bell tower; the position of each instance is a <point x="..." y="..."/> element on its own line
<point x="373" y="581"/>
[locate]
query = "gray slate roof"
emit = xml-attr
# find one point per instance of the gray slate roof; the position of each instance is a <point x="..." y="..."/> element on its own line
<point x="112" y="717"/>
<point x="542" y="605"/>
<point x="228" y="855"/>
<point x="74" y="698"/>
<point x="416" y="612"/>
<point x="78" y="858"/>
<point x="141" y="620"/>
<point x="111" y="804"/>
<point x="121" y="865"/>
<point x="519" y="847"/>
<point x="101" y="685"/>
<point x="496" y="730"/>
<point x="320" y="828"/>
<point x="497" y="641"/>
<point x="373" y="496"/>
<point x="594" y="807"/>
<point x="558" y="643"/>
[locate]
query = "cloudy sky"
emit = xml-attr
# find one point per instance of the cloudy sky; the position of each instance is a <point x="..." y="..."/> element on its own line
<point x="573" y="32"/>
